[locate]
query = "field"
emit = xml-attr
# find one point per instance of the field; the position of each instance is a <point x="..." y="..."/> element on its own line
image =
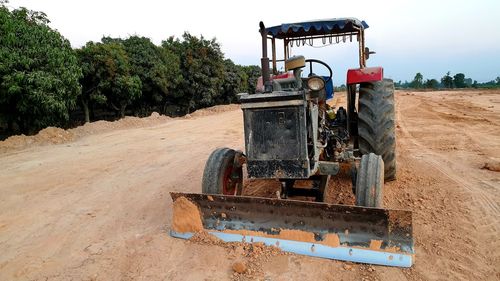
<point x="93" y="203"/>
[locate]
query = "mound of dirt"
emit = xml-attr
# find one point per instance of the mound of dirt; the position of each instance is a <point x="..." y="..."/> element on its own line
<point x="187" y="217"/>
<point x="53" y="135"/>
<point x="49" y="135"/>
<point x="127" y="122"/>
<point x="203" y="237"/>
<point x="249" y="258"/>
<point x="214" y="110"/>
<point x="492" y="166"/>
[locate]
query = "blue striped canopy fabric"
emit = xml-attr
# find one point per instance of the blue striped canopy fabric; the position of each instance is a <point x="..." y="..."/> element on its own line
<point x="318" y="27"/>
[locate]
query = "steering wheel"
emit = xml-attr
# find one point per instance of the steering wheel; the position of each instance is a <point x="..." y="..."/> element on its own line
<point x="310" y="61"/>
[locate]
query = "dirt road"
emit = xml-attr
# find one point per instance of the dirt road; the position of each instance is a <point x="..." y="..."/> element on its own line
<point x="97" y="206"/>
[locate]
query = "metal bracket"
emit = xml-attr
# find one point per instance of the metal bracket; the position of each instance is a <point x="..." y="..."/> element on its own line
<point x="328" y="168"/>
<point x="239" y="159"/>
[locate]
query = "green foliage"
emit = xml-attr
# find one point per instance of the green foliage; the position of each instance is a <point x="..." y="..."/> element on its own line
<point x="234" y="82"/>
<point x="39" y="72"/>
<point x="459" y="80"/>
<point x="253" y="73"/>
<point x="107" y="77"/>
<point x="157" y="68"/>
<point x="341" y="88"/>
<point x="468" y="82"/>
<point x="418" y="81"/>
<point x="447" y="81"/>
<point x="431" y="84"/>
<point x="401" y="85"/>
<point x="490" y="84"/>
<point x="202" y="68"/>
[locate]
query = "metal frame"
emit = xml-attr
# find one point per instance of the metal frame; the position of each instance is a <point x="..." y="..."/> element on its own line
<point x="354" y="76"/>
<point x="360" y="36"/>
<point x="266" y="80"/>
<point x="245" y="217"/>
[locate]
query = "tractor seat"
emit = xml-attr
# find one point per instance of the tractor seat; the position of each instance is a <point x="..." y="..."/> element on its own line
<point x="295" y="62"/>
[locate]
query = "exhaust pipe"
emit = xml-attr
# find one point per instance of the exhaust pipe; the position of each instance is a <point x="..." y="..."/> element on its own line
<point x="264" y="61"/>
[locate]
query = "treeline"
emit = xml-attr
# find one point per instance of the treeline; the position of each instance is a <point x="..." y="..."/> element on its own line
<point x="44" y="82"/>
<point x="457" y="81"/>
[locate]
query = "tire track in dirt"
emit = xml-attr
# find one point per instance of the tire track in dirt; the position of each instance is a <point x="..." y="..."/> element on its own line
<point x="484" y="223"/>
<point x="98" y="208"/>
<point x="441" y="163"/>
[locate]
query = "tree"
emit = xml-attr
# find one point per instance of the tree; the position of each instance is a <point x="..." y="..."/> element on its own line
<point x="157" y="68"/>
<point x="106" y="77"/>
<point x="39" y="72"/>
<point x="253" y="73"/>
<point x="431" y="84"/>
<point x="468" y="82"/>
<point x="459" y="80"/>
<point x="202" y="68"/>
<point x="417" y="81"/>
<point x="498" y="80"/>
<point x="235" y="81"/>
<point x="447" y="81"/>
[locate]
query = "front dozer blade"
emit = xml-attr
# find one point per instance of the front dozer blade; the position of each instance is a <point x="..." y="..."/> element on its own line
<point x="348" y="233"/>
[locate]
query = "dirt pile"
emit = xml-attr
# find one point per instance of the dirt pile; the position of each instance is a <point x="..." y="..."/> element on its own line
<point x="492" y="166"/>
<point x="215" y="110"/>
<point x="186" y="217"/>
<point x="50" y="135"/>
<point x="53" y="135"/>
<point x="253" y="256"/>
<point x="248" y="258"/>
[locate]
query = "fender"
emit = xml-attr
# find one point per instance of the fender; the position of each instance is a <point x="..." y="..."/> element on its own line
<point x="367" y="74"/>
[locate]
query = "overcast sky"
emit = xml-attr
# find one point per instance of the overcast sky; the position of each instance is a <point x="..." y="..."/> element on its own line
<point x="431" y="37"/>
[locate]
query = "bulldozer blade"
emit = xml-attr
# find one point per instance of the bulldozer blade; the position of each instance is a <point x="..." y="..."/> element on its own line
<point x="341" y="232"/>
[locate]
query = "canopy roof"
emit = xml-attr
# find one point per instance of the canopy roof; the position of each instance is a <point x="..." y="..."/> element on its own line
<point x="317" y="27"/>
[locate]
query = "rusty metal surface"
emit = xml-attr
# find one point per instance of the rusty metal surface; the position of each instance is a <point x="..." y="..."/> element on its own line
<point x="265" y="61"/>
<point x="355" y="226"/>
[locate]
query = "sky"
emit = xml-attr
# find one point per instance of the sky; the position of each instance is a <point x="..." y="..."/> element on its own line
<point x="430" y="37"/>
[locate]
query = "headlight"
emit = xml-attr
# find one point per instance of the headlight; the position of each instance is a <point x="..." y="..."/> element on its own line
<point x="315" y="83"/>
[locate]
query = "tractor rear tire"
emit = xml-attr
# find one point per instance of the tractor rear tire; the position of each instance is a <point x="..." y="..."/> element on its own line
<point x="370" y="181"/>
<point x="220" y="175"/>
<point x="376" y="123"/>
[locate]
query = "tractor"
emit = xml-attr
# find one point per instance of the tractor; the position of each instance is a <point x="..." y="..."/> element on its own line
<point x="293" y="134"/>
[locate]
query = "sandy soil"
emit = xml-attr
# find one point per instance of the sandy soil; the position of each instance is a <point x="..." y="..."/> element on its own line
<point x="93" y="203"/>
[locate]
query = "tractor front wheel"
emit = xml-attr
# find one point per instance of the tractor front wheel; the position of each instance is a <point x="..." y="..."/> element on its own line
<point x="222" y="175"/>
<point x="370" y="181"/>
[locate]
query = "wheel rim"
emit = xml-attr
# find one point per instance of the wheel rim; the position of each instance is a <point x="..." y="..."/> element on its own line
<point x="228" y="183"/>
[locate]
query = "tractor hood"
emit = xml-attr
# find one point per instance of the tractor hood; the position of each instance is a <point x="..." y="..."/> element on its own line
<point x="316" y="27"/>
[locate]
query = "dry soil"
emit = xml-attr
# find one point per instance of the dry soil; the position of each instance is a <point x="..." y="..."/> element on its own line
<point x="92" y="203"/>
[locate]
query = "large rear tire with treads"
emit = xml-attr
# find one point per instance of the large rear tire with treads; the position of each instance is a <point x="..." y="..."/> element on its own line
<point x="376" y="123"/>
